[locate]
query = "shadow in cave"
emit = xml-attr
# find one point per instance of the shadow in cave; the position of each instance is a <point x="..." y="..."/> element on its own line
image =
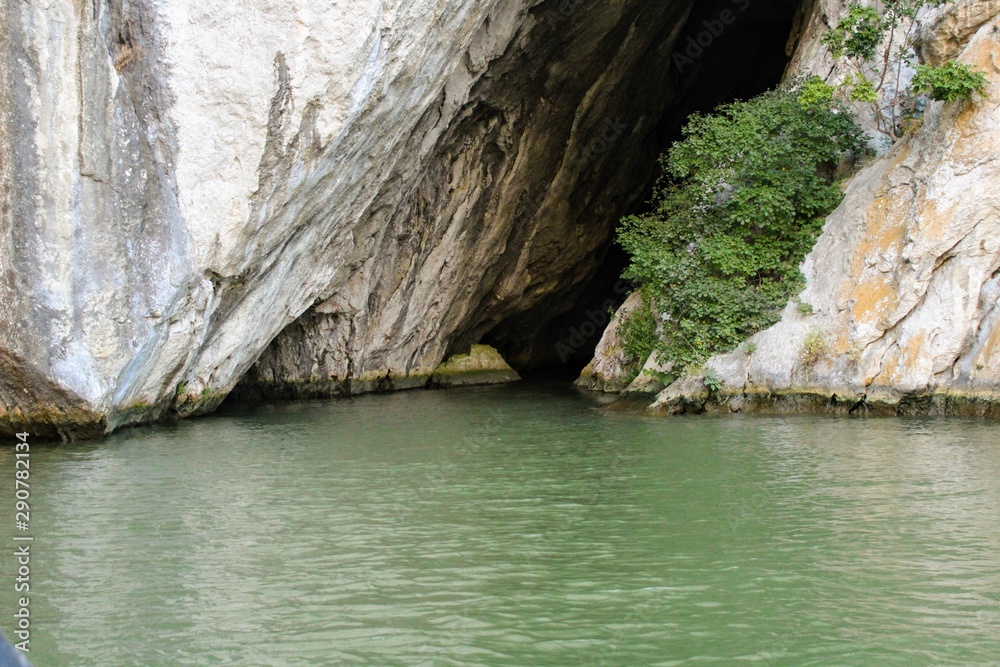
<point x="728" y="50"/>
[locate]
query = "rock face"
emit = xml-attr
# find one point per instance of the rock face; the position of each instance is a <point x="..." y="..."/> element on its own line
<point x="512" y="216"/>
<point x="330" y="198"/>
<point x="947" y="33"/>
<point x="370" y="186"/>
<point x="904" y="283"/>
<point x="609" y="369"/>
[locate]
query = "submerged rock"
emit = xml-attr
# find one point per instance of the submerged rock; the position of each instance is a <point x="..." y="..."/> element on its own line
<point x="481" y="366"/>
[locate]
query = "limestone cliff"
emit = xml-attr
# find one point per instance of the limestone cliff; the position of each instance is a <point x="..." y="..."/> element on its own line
<point x="354" y="190"/>
<point x="607" y="372"/>
<point x="318" y="199"/>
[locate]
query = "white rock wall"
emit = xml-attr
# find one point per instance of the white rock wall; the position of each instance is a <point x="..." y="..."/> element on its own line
<point x="180" y="181"/>
<point x="160" y="156"/>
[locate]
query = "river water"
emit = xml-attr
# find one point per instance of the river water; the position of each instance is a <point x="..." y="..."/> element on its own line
<point x="514" y="526"/>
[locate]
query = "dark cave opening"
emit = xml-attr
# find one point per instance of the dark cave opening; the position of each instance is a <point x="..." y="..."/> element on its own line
<point x="727" y="50"/>
<point x="521" y="195"/>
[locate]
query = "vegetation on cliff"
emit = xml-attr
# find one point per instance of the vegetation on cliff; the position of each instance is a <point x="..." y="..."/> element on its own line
<point x="742" y="201"/>
<point x="878" y="43"/>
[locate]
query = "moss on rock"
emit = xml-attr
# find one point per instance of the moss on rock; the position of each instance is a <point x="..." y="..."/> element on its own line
<point x="482" y="366"/>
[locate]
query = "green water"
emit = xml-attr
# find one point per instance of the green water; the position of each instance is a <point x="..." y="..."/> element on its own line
<point x="516" y="526"/>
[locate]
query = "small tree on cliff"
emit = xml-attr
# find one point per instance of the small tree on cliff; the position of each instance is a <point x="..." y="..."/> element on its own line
<point x="878" y="42"/>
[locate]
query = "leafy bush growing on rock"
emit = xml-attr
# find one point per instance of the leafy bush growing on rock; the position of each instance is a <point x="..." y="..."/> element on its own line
<point x="950" y="82"/>
<point x="742" y="201"/>
<point x="711" y="381"/>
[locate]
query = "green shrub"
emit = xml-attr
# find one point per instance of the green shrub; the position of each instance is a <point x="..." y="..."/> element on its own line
<point x="815" y="92"/>
<point x="743" y="200"/>
<point x="859" y="34"/>
<point x="950" y="82"/>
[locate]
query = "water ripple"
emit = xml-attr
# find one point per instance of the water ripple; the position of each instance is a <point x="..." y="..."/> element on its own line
<point x="517" y="526"/>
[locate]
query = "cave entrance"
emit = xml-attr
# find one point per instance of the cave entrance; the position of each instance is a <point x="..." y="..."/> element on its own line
<point x="726" y="50"/>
